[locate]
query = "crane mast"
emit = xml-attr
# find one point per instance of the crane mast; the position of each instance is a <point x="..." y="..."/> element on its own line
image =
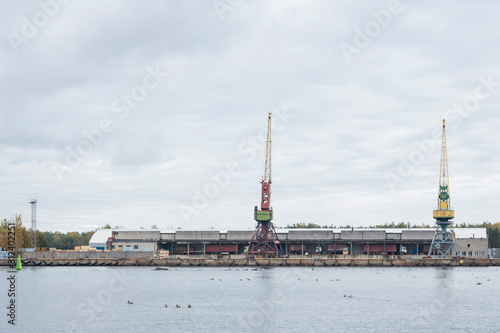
<point x="443" y="243"/>
<point x="265" y="242"/>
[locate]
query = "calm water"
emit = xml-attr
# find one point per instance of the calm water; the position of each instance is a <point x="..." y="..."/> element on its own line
<point x="85" y="299"/>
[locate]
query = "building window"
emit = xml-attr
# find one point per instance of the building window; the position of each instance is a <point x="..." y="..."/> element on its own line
<point x="476" y="253"/>
<point x="468" y="245"/>
<point x="464" y="253"/>
<point x="482" y="254"/>
<point x="120" y="245"/>
<point x="136" y="247"/>
<point x="112" y="247"/>
<point x="470" y="253"/>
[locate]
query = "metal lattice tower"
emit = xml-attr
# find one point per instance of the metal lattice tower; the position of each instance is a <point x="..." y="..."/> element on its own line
<point x="265" y="242"/>
<point x="33" y="223"/>
<point x="443" y="243"/>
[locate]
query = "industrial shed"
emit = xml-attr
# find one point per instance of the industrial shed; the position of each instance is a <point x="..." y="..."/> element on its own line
<point x="471" y="242"/>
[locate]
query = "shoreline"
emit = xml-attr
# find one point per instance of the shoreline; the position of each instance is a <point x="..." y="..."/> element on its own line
<point x="279" y="262"/>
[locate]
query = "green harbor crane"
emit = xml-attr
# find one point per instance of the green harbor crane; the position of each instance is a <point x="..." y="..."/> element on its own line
<point x="444" y="243"/>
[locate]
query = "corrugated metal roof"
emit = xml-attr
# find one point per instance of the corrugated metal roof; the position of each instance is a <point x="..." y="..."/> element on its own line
<point x="101" y="235"/>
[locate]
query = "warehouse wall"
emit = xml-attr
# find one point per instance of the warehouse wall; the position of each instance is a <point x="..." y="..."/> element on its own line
<point x="139" y="234"/>
<point x="135" y="245"/>
<point x="182" y="235"/>
<point x="472" y="247"/>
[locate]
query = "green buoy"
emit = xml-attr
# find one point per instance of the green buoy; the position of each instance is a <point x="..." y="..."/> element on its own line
<point x="18" y="264"/>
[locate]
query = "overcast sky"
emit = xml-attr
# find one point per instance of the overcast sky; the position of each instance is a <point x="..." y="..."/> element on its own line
<point x="139" y="113"/>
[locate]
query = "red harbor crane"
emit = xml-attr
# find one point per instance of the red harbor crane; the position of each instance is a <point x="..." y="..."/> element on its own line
<point x="265" y="242"/>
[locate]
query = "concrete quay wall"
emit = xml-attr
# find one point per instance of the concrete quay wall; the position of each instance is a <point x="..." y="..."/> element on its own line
<point x="88" y="255"/>
<point x="280" y="262"/>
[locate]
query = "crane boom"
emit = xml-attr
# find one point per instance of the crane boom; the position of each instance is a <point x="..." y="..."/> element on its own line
<point x="444" y="211"/>
<point x="265" y="203"/>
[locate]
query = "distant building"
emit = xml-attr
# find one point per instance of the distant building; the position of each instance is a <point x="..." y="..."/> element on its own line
<point x="471" y="242"/>
<point x="494" y="253"/>
<point x="136" y="240"/>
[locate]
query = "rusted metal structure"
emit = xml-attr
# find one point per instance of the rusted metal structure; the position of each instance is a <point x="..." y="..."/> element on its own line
<point x="265" y="242"/>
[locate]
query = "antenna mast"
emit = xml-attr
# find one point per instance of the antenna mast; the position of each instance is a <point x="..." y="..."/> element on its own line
<point x="33" y="223"/>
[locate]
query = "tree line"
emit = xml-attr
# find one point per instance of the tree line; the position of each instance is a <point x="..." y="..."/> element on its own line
<point x="348" y="226"/>
<point x="47" y="239"/>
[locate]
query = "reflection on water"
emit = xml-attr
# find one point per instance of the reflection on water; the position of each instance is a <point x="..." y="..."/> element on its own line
<point x="85" y="299"/>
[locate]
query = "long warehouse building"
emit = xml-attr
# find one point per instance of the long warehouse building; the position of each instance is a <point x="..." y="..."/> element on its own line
<point x="471" y="242"/>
